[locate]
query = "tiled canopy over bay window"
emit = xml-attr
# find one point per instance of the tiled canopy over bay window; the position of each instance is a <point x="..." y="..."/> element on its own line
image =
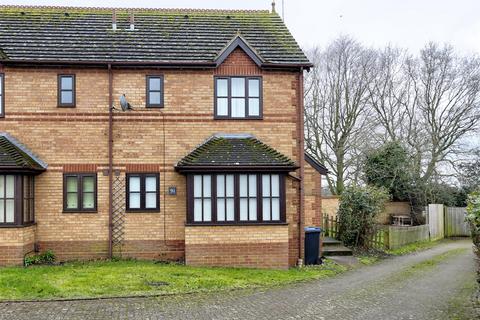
<point x="18" y="166"/>
<point x="235" y="179"/>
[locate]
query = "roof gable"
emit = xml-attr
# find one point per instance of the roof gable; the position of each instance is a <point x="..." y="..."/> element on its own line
<point x="239" y="42"/>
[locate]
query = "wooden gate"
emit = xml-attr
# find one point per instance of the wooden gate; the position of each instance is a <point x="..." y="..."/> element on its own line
<point x="436" y="221"/>
<point x="455" y="224"/>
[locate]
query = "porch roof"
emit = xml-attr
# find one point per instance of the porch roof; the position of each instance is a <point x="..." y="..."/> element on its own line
<point x="14" y="156"/>
<point x="227" y="152"/>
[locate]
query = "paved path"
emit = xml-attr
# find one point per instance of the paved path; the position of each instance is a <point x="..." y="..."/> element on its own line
<point x="434" y="284"/>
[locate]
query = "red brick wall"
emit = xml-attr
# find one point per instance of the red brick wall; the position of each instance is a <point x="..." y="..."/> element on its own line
<point x="15" y="243"/>
<point x="237" y="246"/>
<point x="313" y="197"/>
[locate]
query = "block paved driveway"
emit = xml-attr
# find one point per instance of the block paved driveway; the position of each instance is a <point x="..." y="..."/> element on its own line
<point x="391" y="289"/>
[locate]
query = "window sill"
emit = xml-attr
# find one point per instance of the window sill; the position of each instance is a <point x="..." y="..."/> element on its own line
<point x="237" y="119"/>
<point x="66" y="106"/>
<point x="77" y="212"/>
<point x="236" y="224"/>
<point x="17" y="226"/>
<point x="143" y="211"/>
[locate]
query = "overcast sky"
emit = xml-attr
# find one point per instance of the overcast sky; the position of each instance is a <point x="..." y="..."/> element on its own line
<point x="405" y="23"/>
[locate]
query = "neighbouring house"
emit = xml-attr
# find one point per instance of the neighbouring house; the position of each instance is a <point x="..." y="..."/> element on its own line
<point x="207" y="162"/>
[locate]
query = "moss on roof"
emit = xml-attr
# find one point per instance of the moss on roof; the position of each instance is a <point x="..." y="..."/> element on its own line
<point x="235" y="151"/>
<point x="85" y="34"/>
<point x="12" y="156"/>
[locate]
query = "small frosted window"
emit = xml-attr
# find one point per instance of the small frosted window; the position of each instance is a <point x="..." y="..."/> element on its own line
<point x="221" y="209"/>
<point x="197" y="212"/>
<point x="222" y="87"/>
<point x="10" y="211"/>
<point x="253" y="88"/>
<point x="243" y="209"/>
<point x="230" y="210"/>
<point x="155" y="84"/>
<point x="230" y="183"/>
<point x="243" y="185"/>
<point x="151" y="200"/>
<point x="134" y="184"/>
<point x="220" y="186"/>
<point x="151" y="184"/>
<point x="155" y="97"/>
<point x="266" y="185"/>
<point x="88" y="201"/>
<point x="238" y="87"/>
<point x="207" y="210"/>
<point x="10" y="186"/>
<point x="197" y="186"/>
<point x="88" y="184"/>
<point x="238" y="108"/>
<point x="253" y="107"/>
<point x="207" y="186"/>
<point x="266" y="209"/>
<point x="252" y="185"/>
<point x="67" y="83"/>
<point x="222" y="106"/>
<point x="275" y="185"/>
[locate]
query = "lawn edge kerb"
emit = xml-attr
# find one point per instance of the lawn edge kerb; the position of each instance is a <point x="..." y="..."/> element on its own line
<point x="323" y="273"/>
<point x="155" y="295"/>
<point x="376" y="256"/>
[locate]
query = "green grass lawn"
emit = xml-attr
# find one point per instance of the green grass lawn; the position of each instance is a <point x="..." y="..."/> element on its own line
<point x="136" y="278"/>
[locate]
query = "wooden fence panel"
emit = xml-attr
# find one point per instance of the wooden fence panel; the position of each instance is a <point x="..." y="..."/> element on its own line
<point x="436" y="221"/>
<point x="400" y="236"/>
<point x="455" y="224"/>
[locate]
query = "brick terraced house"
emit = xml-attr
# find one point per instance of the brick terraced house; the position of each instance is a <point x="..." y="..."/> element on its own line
<point x="154" y="134"/>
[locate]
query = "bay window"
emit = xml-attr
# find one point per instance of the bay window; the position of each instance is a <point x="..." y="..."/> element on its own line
<point x="202" y="195"/>
<point x="16" y="199"/>
<point x="218" y="198"/>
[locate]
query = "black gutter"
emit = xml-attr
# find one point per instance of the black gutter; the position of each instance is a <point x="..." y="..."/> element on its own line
<point x="140" y="64"/>
<point x="233" y="168"/>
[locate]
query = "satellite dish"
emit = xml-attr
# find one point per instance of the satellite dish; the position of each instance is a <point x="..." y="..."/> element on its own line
<point x="124" y="103"/>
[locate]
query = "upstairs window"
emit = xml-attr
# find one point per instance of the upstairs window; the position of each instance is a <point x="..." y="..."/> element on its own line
<point x="238" y="97"/>
<point x="2" y="95"/>
<point x="154" y="91"/>
<point x="16" y="199"/>
<point x="66" y="90"/>
<point x="80" y="192"/>
<point x="143" y="192"/>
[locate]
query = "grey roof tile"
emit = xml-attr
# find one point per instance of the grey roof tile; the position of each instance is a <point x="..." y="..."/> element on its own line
<point x="235" y="150"/>
<point x="42" y="33"/>
<point x="15" y="156"/>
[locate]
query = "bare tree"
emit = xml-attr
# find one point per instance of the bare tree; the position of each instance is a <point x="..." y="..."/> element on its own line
<point x="446" y="95"/>
<point x="356" y="98"/>
<point x="429" y="102"/>
<point x="337" y="112"/>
